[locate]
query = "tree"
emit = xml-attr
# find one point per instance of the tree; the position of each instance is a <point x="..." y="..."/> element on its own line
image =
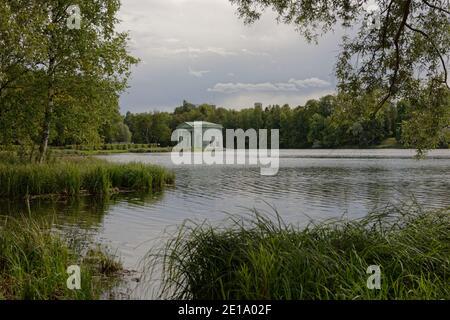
<point x="81" y="71"/>
<point x="427" y="113"/>
<point x="122" y="134"/>
<point x="317" y="126"/>
<point x="116" y="132"/>
<point x="400" y="49"/>
<point x="18" y="48"/>
<point x="19" y="54"/>
<point x="331" y="121"/>
<point x="160" y="131"/>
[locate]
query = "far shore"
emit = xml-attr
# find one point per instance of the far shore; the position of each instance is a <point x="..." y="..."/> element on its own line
<point x="335" y="153"/>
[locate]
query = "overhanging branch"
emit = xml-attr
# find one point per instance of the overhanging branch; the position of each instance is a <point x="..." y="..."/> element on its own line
<point x="394" y="77"/>
<point x="435" y="48"/>
<point x="436" y="7"/>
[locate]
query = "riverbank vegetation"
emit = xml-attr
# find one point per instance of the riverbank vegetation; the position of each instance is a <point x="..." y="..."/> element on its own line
<point x="34" y="261"/>
<point x="257" y="258"/>
<point x="329" y="122"/>
<point x="79" y="176"/>
<point x="105" y="149"/>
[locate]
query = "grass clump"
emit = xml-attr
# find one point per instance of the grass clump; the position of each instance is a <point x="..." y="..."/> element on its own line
<point x="34" y="261"/>
<point x="257" y="258"/>
<point x="75" y="177"/>
<point x="102" y="263"/>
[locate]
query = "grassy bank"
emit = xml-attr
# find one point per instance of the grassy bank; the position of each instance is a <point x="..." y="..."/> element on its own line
<point x="257" y="258"/>
<point x="112" y="151"/>
<point x="33" y="264"/>
<point x="105" y="149"/>
<point x="79" y="176"/>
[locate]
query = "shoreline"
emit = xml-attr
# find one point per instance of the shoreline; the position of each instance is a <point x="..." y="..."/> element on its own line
<point x="336" y="154"/>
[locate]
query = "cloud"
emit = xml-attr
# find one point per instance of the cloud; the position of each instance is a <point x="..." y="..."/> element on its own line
<point x="310" y="83"/>
<point x="198" y="73"/>
<point x="191" y="52"/>
<point x="171" y="35"/>
<point x="255" y="53"/>
<point x="292" y="85"/>
<point x="247" y="100"/>
<point x="172" y="40"/>
<point x="195" y="52"/>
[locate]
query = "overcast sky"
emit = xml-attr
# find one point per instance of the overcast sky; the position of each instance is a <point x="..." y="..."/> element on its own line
<point x="198" y="50"/>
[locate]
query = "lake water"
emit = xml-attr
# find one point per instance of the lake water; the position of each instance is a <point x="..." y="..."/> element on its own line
<point x="311" y="184"/>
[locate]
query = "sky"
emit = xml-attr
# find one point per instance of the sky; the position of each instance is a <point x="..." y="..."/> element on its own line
<point x="200" y="51"/>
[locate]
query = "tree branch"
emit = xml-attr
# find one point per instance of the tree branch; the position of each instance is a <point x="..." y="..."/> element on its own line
<point x="435" y="48"/>
<point x="436" y="7"/>
<point x="397" y="57"/>
<point x="385" y="27"/>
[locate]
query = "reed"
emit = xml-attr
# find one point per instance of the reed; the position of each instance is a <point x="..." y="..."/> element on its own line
<point x="34" y="261"/>
<point x="75" y="177"/>
<point x="261" y="257"/>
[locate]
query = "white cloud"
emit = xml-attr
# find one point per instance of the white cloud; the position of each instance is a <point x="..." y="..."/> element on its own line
<point x="196" y="52"/>
<point x="255" y="53"/>
<point x="198" y="73"/>
<point x="171" y="35"/>
<point x="192" y="52"/>
<point x="310" y="83"/>
<point x="247" y="100"/>
<point x="292" y="85"/>
<point x="172" y="40"/>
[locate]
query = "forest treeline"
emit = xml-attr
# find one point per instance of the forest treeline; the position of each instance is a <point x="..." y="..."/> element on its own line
<point x="61" y="86"/>
<point x="321" y="123"/>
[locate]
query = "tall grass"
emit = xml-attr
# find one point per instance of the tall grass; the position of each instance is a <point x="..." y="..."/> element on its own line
<point x="33" y="264"/>
<point x="77" y="177"/>
<point x="257" y="258"/>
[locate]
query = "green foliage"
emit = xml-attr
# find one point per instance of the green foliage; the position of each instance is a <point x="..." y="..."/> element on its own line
<point x="33" y="264"/>
<point x="329" y="122"/>
<point x="150" y="128"/>
<point x="400" y="51"/>
<point x="71" y="178"/>
<point x="428" y="115"/>
<point x="58" y="84"/>
<point x="262" y="258"/>
<point x="105" y="149"/>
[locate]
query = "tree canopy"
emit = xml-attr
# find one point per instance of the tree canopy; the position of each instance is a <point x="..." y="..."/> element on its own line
<point x="400" y="51"/>
<point x="59" y="82"/>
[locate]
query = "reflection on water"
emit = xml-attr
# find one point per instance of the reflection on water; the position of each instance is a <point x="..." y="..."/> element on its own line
<point x="87" y="217"/>
<point x="84" y="212"/>
<point x="304" y="188"/>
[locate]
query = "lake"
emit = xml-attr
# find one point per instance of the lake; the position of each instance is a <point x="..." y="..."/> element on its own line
<point x="311" y="184"/>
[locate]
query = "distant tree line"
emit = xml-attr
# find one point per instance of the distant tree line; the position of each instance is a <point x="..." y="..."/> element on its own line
<point x="329" y="122"/>
<point x="391" y="50"/>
